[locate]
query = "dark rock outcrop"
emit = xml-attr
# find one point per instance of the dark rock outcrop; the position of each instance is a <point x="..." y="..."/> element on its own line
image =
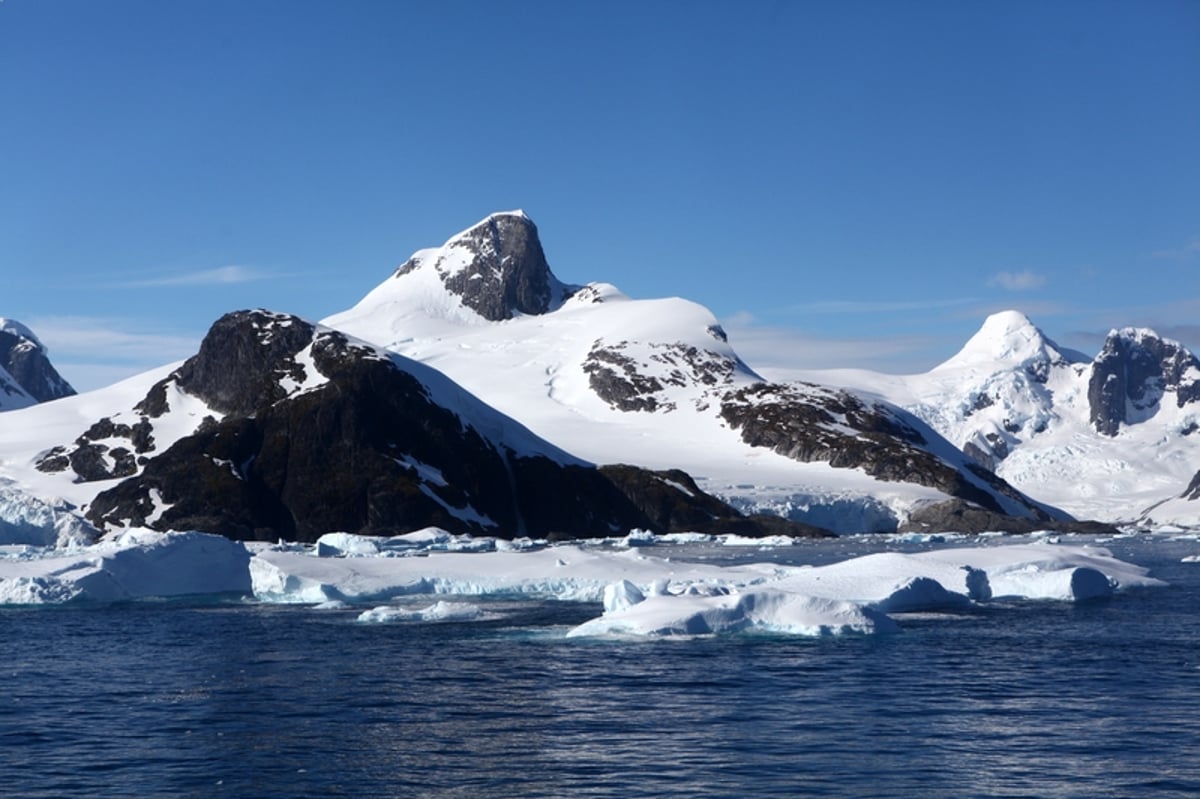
<point x="807" y="423"/>
<point x="1193" y="489"/>
<point x="374" y="444"/>
<point x="1133" y="375"/>
<point x="957" y="516"/>
<point x="622" y="380"/>
<point x="507" y="273"/>
<point x="25" y="359"/>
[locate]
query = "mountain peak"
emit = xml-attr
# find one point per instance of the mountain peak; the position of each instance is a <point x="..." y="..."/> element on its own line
<point x="496" y="268"/>
<point x="1133" y="373"/>
<point x="23" y="357"/>
<point x="1010" y="337"/>
<point x="15" y="328"/>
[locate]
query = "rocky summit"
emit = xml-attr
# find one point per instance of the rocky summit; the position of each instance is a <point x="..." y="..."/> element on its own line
<point x="496" y="268"/>
<point x="1135" y="373"/>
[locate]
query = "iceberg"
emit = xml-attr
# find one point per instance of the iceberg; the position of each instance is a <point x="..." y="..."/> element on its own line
<point x="26" y="519"/>
<point x="136" y="564"/>
<point x="638" y="593"/>
<point x="765" y="610"/>
<point x="438" y="611"/>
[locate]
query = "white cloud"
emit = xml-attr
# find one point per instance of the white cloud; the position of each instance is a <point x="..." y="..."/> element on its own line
<point x="93" y="352"/>
<point x="874" y="306"/>
<point x="114" y="339"/>
<point x="1189" y="250"/>
<point x="221" y="276"/>
<point x="780" y="353"/>
<point x="1017" y="281"/>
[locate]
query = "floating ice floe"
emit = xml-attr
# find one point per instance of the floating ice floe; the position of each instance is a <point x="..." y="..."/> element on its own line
<point x="135" y="564"/>
<point x="765" y="610"/>
<point x="641" y="594"/>
<point x="438" y="611"/>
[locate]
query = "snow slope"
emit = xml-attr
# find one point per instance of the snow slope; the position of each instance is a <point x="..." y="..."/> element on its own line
<point x="27" y="434"/>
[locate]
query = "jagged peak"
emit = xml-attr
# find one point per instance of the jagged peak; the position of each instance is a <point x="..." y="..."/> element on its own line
<point x="1143" y="343"/>
<point x="1010" y="337"/>
<point x="1141" y="335"/>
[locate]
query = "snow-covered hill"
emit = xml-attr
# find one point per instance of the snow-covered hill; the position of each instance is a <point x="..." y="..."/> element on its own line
<point x="657" y="383"/>
<point x="1111" y="437"/>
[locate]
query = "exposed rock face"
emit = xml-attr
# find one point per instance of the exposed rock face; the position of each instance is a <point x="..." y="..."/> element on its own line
<point x="640" y="376"/>
<point x="11" y="394"/>
<point x="497" y="269"/>
<point x="1134" y="374"/>
<point x="322" y="433"/>
<point x="616" y="379"/>
<point x="25" y="359"/>
<point x="957" y="516"/>
<point x="1193" y="489"/>
<point x="807" y="422"/>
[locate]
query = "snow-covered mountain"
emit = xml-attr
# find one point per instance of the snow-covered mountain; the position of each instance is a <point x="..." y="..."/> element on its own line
<point x="1110" y="437"/>
<point x="657" y="383"/>
<point x="25" y="368"/>
<point x="281" y="428"/>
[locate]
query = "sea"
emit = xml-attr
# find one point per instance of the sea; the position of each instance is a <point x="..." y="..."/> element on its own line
<point x="221" y="697"/>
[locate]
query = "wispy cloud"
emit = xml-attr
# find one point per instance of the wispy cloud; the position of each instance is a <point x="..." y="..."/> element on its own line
<point x="784" y="353"/>
<point x="93" y="352"/>
<point x="221" y="276"/>
<point x="1017" y="281"/>
<point x="875" y="306"/>
<point x="1187" y="251"/>
<point x="110" y="338"/>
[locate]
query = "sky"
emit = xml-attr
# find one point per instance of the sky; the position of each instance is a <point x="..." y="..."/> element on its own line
<point x="844" y="184"/>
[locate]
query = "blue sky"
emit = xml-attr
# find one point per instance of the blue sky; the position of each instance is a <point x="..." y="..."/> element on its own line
<point x="851" y="183"/>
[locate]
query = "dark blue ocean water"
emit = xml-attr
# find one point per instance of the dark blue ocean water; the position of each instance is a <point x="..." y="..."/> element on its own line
<point x="225" y="699"/>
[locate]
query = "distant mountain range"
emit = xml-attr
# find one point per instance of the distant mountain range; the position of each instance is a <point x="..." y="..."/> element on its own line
<point x="474" y="391"/>
<point x="1112" y="437"/>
